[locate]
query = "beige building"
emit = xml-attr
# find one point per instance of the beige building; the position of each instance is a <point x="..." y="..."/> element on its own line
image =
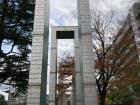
<point x="12" y="100"/>
<point x="127" y="41"/>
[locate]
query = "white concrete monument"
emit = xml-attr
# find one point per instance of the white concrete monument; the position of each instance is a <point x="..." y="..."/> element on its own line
<point x="85" y="88"/>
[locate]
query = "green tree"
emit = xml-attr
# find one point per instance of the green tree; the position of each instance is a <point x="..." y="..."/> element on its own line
<point x="136" y="90"/>
<point x="126" y="92"/>
<point x="2" y="100"/>
<point x="120" y="96"/>
<point x="16" y="22"/>
<point x="125" y="95"/>
<point x="19" y="104"/>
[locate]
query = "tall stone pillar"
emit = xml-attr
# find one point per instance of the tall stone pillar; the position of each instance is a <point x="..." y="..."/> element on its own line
<point x="38" y="69"/>
<point x="53" y="68"/>
<point x="78" y="81"/>
<point x="89" y="92"/>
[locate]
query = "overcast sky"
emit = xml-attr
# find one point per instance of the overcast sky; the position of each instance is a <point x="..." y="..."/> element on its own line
<point x="64" y="13"/>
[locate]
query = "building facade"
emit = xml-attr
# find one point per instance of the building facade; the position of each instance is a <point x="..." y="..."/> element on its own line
<point x="127" y="41"/>
<point x="13" y="100"/>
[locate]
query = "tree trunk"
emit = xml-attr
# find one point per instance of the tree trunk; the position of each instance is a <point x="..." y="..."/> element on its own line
<point x="2" y="18"/>
<point x="102" y="100"/>
<point x="1" y="52"/>
<point x="103" y="97"/>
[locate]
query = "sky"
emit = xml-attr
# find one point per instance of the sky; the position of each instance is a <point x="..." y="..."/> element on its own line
<point x="64" y="12"/>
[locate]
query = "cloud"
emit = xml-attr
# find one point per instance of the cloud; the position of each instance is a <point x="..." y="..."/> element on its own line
<point x="65" y="47"/>
<point x="63" y="12"/>
<point x="53" y="22"/>
<point x="121" y="7"/>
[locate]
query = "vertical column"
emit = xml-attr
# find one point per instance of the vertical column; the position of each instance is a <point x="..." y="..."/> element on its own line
<point x="35" y="72"/>
<point x="53" y="61"/>
<point x="34" y="88"/>
<point x="89" y="84"/>
<point x="77" y="89"/>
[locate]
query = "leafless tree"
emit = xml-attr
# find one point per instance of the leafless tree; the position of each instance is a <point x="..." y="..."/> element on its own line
<point x="115" y="50"/>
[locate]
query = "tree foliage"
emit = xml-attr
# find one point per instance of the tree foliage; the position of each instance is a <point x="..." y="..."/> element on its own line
<point x="65" y="76"/>
<point x="16" y="22"/>
<point x="129" y="91"/>
<point x="2" y="100"/>
<point x="127" y="95"/>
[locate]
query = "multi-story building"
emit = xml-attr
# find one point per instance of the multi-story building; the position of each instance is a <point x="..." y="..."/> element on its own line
<point x="127" y="40"/>
<point x="12" y="100"/>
